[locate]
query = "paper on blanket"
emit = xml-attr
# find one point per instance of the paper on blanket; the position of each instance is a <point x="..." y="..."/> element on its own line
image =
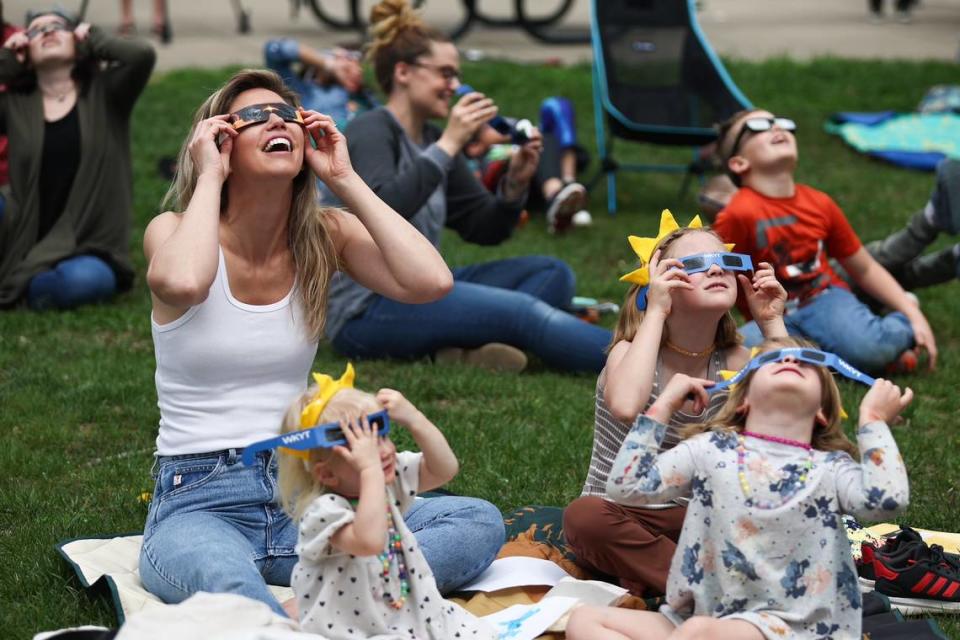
<point x="949" y="541"/>
<point x="527" y="621"/>
<point x="517" y="571"/>
<point x="593" y="592"/>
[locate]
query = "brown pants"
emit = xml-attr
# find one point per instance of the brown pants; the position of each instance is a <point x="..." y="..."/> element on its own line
<point x="632" y="544"/>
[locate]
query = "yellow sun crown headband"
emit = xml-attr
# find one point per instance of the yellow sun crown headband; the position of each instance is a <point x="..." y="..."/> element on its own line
<point x="644" y="247"/>
<point x="327" y="387"/>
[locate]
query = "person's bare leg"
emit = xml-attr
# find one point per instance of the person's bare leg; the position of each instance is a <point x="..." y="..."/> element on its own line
<point x="610" y="623"/>
<point x="126" y="17"/>
<point x="551" y="187"/>
<point x="707" y="628"/>
<point x="568" y="165"/>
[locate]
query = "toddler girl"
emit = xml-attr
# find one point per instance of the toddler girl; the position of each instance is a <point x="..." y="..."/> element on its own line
<point x="361" y="573"/>
<point x="763" y="552"/>
<point x="685" y="327"/>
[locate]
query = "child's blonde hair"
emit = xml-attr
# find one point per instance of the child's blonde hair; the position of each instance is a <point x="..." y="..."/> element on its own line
<point x="630" y="317"/>
<point x="298" y="488"/>
<point x="828" y="436"/>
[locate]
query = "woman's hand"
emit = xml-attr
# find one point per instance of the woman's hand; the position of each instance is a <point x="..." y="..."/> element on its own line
<point x="208" y="156"/>
<point x="883" y="402"/>
<point x="330" y="161"/>
<point x="665" y="277"/>
<point x="680" y="389"/>
<point x="523" y="165"/>
<point x="363" y="445"/>
<point x="765" y="295"/>
<point x="19" y="43"/>
<point x="470" y="113"/>
<point x="397" y="406"/>
<point x="81" y="31"/>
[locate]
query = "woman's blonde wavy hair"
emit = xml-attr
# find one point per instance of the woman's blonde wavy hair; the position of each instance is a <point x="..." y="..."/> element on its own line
<point x="828" y="436"/>
<point x="397" y="34"/>
<point x="630" y="317"/>
<point x="298" y="488"/>
<point x="314" y="254"/>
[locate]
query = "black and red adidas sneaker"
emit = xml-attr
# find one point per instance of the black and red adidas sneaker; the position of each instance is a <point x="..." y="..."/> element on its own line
<point x="919" y="576"/>
<point x="891" y="546"/>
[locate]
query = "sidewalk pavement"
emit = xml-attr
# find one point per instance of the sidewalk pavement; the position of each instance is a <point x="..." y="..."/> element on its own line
<point x="205" y="32"/>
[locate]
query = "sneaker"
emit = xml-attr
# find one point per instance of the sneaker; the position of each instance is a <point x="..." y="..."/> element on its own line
<point x="494" y="356"/>
<point x="582" y="218"/>
<point x="945" y="198"/>
<point x="920" y="577"/>
<point x="891" y="546"/>
<point x="906" y="362"/>
<point x="904" y="17"/>
<point x="568" y="201"/>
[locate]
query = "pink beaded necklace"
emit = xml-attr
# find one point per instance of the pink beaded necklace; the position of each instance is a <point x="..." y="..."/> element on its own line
<point x="752" y="501"/>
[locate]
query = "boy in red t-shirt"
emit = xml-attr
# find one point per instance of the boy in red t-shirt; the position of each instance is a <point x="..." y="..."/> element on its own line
<point x="798" y="229"/>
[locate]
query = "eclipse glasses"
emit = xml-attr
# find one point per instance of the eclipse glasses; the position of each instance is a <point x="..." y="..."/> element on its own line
<point x="260" y="113"/>
<point x="700" y="262"/>
<point x="759" y="124"/>
<point x="809" y="356"/>
<point x="326" y="435"/>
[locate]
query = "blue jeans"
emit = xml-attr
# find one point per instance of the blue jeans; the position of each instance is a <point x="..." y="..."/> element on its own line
<point x="215" y="525"/>
<point x="73" y="282"/>
<point x="517" y="301"/>
<point x="840" y="323"/>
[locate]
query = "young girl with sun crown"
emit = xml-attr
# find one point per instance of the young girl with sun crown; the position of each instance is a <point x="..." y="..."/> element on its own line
<point x="681" y="326"/>
<point x="361" y="573"/>
<point x="763" y="552"/>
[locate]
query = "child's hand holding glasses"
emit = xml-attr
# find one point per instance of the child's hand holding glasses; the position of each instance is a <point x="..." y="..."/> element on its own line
<point x="364" y="445"/>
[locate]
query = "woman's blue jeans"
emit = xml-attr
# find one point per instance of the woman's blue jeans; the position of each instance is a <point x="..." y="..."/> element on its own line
<point x="518" y="301"/>
<point x="840" y="323"/>
<point x="215" y="525"/>
<point x="73" y="282"/>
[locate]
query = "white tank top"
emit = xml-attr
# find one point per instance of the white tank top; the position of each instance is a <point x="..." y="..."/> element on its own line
<point x="227" y="371"/>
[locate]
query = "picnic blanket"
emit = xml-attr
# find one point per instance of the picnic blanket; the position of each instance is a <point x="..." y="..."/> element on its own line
<point x="912" y="140"/>
<point x="532" y="531"/>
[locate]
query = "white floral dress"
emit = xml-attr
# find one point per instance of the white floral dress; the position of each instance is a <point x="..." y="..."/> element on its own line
<point x="340" y="595"/>
<point x="774" y="553"/>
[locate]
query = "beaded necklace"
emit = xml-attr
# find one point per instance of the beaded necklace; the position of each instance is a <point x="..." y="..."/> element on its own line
<point x="393" y="554"/>
<point x="742" y="470"/>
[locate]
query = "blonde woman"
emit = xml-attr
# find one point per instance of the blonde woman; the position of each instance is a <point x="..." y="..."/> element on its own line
<point x="238" y="273"/>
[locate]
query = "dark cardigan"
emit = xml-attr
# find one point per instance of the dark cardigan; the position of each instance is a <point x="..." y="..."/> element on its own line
<point x="96" y="218"/>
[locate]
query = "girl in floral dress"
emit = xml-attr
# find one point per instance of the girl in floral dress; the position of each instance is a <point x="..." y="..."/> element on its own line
<point x="763" y="552"/>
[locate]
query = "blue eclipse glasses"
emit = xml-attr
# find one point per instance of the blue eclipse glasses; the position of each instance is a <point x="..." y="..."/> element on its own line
<point x="326" y="435"/>
<point x="809" y="356"/>
<point x="700" y="262"/>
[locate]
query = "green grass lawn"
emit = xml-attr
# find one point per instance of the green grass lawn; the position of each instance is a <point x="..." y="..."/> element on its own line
<point x="78" y="409"/>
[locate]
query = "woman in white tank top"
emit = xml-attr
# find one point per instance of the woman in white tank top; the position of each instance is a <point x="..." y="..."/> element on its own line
<point x="238" y="273"/>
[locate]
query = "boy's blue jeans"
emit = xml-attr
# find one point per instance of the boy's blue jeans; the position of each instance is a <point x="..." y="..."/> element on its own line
<point x="73" y="282"/>
<point x="518" y="301"/>
<point x="840" y="323"/>
<point x="216" y="525"/>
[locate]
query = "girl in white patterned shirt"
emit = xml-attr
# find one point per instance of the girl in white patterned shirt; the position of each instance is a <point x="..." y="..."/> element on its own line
<point x="361" y="573"/>
<point x="763" y="553"/>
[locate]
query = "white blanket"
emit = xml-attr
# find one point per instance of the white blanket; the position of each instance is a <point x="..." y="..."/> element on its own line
<point x="117" y="561"/>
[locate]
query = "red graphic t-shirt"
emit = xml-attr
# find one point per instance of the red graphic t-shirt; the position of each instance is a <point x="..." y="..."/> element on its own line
<point x="796" y="235"/>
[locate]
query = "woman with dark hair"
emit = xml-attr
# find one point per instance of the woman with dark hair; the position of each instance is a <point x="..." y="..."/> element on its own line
<point x="239" y="272"/>
<point x="497" y="310"/>
<point x="65" y="232"/>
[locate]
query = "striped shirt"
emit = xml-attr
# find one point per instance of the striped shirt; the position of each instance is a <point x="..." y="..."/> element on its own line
<point x="609" y="433"/>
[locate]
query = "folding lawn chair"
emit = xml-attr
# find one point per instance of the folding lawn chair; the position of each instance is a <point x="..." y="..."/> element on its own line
<point x="655" y="80"/>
